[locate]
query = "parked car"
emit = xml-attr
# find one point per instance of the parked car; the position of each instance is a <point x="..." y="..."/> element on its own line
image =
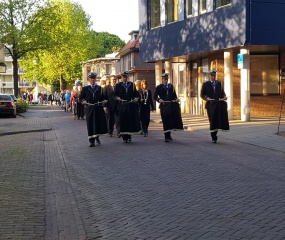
<point x="7" y="106"/>
<point x="12" y="96"/>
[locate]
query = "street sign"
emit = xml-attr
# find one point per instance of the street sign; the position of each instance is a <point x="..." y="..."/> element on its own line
<point x="243" y="61"/>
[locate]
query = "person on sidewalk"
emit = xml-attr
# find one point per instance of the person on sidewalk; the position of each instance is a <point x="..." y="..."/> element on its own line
<point x="170" y="112"/>
<point x="213" y="93"/>
<point x="146" y="103"/>
<point x="93" y="97"/>
<point x="127" y="96"/>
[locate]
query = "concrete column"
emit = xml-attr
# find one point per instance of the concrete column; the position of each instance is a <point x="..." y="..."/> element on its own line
<point x="158" y="72"/>
<point x="168" y="69"/>
<point x="245" y="91"/>
<point x="228" y="81"/>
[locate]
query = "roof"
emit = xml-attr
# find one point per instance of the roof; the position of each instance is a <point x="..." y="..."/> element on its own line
<point x="130" y="46"/>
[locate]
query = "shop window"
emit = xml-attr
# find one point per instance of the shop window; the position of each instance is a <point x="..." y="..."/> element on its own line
<point x="181" y="82"/>
<point x="220" y="3"/>
<point x="172" y="10"/>
<point x="154" y="13"/>
<point x="264" y="75"/>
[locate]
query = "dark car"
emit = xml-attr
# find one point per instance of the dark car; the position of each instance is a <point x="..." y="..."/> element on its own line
<point x="7" y="106"/>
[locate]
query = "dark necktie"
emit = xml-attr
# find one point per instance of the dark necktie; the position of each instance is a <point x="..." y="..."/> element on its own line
<point x="93" y="87"/>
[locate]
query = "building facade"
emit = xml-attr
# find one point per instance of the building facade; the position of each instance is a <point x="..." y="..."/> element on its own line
<point x="243" y="40"/>
<point x="130" y="61"/>
<point x="108" y="65"/>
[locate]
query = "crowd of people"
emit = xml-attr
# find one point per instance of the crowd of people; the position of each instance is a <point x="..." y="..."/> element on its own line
<point x="121" y="106"/>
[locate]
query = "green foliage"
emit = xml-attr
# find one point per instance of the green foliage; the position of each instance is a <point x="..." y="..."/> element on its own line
<point x="102" y="43"/>
<point x="21" y="106"/>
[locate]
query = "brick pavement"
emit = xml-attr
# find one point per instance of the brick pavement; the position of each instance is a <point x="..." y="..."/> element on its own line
<point x="148" y="189"/>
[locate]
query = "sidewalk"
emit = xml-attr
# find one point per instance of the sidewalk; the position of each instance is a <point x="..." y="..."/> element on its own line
<point x="30" y="121"/>
<point x="260" y="132"/>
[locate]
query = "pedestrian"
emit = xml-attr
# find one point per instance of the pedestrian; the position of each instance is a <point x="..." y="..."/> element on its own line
<point x="93" y="98"/>
<point x="127" y="97"/>
<point x="111" y="106"/>
<point x="67" y="96"/>
<point x="213" y="93"/>
<point x="146" y="104"/>
<point x="79" y="106"/>
<point x="169" y="107"/>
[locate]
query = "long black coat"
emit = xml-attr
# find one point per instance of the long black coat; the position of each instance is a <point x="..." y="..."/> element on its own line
<point x="95" y="115"/>
<point x="216" y="109"/>
<point x="169" y="111"/>
<point x="128" y="111"/>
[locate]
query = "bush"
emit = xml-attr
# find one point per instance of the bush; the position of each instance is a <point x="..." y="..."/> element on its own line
<point x="22" y="106"/>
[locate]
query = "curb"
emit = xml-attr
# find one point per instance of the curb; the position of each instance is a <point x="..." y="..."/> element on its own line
<point x="25" y="131"/>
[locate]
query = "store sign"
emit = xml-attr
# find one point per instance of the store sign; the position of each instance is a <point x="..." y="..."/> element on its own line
<point x="243" y="61"/>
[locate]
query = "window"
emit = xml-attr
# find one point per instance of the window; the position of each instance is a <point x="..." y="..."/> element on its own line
<point x="264" y="74"/>
<point x="108" y="68"/>
<point x="188" y="7"/>
<point x="154" y="9"/>
<point x="172" y="10"/>
<point x="97" y="70"/>
<point x="194" y="81"/>
<point x="202" y="6"/>
<point x="220" y="3"/>
<point x="181" y="81"/>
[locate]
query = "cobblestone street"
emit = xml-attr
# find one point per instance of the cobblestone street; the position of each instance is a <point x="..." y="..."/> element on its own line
<point x="53" y="186"/>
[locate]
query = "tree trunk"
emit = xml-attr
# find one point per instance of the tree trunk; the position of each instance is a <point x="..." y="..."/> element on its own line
<point x="61" y="82"/>
<point x="15" y="75"/>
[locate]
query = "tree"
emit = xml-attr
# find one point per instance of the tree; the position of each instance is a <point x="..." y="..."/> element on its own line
<point x="102" y="43"/>
<point x="25" y="25"/>
<point x="62" y="61"/>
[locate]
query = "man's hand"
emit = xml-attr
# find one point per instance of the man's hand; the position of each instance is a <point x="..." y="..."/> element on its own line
<point x="160" y="101"/>
<point x="84" y="102"/>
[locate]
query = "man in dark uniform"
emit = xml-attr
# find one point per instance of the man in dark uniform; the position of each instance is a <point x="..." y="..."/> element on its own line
<point x="111" y="105"/>
<point x="169" y="107"/>
<point x="92" y="96"/>
<point x="213" y="93"/>
<point x="127" y="97"/>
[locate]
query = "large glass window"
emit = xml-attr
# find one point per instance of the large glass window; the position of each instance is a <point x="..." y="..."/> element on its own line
<point x="220" y="3"/>
<point x="264" y="74"/>
<point x="154" y="10"/>
<point x="202" y="6"/>
<point x="189" y="7"/>
<point x="172" y="10"/>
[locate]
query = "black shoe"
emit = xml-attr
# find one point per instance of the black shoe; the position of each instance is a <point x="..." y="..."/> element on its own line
<point x="166" y="140"/>
<point x="92" y="145"/>
<point x="145" y="134"/>
<point x="98" y="140"/>
<point x="170" y="138"/>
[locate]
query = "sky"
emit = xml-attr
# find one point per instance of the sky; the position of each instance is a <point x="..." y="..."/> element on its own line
<point x="118" y="17"/>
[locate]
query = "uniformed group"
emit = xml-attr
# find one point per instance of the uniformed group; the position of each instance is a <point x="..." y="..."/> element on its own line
<point x="128" y="108"/>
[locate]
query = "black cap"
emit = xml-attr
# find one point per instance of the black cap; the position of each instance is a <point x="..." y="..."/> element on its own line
<point x="213" y="72"/>
<point x="92" y="75"/>
<point x="125" y="74"/>
<point x="165" y="75"/>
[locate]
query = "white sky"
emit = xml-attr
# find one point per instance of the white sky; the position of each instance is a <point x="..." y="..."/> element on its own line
<point x="118" y="17"/>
